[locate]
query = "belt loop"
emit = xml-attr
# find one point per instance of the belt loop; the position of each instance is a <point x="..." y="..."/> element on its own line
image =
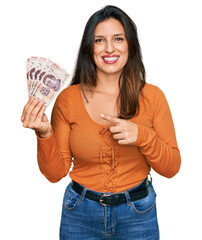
<point x="150" y="177"/>
<point x="82" y="195"/>
<point x="127" y="198"/>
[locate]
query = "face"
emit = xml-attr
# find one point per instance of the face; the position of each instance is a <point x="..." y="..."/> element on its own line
<point x="44" y="91"/>
<point x="110" y="47"/>
<point x="50" y="82"/>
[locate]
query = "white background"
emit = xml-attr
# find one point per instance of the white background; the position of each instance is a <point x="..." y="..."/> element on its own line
<point x="170" y="37"/>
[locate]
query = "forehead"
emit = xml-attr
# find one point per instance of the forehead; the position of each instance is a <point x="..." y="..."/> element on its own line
<point x="109" y="27"/>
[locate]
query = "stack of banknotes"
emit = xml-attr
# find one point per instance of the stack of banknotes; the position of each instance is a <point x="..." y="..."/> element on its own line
<point x="45" y="79"/>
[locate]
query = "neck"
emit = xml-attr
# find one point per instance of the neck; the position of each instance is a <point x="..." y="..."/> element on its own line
<point x="108" y="83"/>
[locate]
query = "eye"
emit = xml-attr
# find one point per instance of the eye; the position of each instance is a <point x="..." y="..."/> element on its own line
<point x="99" y="40"/>
<point x="118" y="39"/>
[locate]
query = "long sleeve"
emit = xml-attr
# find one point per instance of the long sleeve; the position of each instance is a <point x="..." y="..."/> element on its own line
<point x="54" y="155"/>
<point x="159" y="145"/>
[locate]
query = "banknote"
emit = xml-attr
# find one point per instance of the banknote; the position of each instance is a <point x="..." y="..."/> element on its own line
<point x="31" y="62"/>
<point x="37" y="67"/>
<point x="45" y="78"/>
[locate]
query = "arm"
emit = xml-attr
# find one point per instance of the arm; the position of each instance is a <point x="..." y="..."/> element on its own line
<point x="54" y="155"/>
<point x="159" y="145"/>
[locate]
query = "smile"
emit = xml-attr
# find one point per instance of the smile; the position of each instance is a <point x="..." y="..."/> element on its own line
<point x="110" y="59"/>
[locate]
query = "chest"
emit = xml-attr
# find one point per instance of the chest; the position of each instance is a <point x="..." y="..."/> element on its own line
<point x="87" y="135"/>
<point x="100" y="103"/>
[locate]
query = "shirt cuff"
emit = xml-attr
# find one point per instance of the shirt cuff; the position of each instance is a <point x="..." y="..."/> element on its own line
<point x="145" y="136"/>
<point x="44" y="139"/>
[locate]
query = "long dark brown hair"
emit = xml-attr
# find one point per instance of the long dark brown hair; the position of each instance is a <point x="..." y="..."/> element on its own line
<point x="133" y="74"/>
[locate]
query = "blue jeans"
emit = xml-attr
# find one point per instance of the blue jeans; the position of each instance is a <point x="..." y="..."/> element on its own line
<point x="84" y="219"/>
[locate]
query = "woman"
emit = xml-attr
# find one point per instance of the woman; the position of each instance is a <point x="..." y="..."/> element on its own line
<point x="114" y="128"/>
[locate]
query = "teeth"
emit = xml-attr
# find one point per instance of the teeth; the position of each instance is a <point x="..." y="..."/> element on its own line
<point x="110" y="58"/>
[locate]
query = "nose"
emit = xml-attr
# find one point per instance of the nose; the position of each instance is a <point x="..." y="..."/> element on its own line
<point x="109" y="47"/>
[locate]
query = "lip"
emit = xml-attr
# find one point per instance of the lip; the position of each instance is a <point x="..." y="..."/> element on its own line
<point x="110" y="59"/>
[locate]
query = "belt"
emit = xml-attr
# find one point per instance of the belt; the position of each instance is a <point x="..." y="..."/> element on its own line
<point x="114" y="198"/>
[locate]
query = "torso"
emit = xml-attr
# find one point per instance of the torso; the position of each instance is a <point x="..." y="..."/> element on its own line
<point x="100" y="102"/>
<point x="93" y="147"/>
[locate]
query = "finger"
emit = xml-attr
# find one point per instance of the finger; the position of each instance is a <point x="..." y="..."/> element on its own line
<point x="39" y="118"/>
<point x="40" y="114"/>
<point x="115" y="129"/>
<point x="110" y="119"/>
<point x="119" y="136"/>
<point x="36" y="110"/>
<point x="25" y="107"/>
<point x="123" y="142"/>
<point x="28" y="111"/>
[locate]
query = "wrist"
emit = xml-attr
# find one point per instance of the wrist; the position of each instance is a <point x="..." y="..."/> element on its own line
<point x="45" y="134"/>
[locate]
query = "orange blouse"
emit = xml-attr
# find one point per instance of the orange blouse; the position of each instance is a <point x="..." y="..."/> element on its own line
<point x="99" y="162"/>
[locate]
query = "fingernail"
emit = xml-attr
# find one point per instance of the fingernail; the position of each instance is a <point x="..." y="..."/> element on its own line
<point x="101" y="115"/>
<point x="36" y="99"/>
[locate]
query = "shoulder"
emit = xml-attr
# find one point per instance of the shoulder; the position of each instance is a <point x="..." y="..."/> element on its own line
<point x="66" y="101"/>
<point x="152" y="92"/>
<point x="153" y="97"/>
<point x="150" y="89"/>
<point x="157" y="99"/>
<point x="69" y="92"/>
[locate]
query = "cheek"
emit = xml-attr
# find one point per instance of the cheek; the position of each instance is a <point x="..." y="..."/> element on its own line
<point x="98" y="49"/>
<point x="97" y="54"/>
<point x="126" y="55"/>
<point x="123" y="49"/>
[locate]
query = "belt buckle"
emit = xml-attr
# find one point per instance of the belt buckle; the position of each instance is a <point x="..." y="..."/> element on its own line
<point x="101" y="199"/>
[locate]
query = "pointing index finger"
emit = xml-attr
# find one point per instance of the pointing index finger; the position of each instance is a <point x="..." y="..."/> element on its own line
<point x="110" y="119"/>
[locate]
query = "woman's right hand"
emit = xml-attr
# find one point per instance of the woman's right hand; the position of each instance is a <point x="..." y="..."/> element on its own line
<point x="33" y="117"/>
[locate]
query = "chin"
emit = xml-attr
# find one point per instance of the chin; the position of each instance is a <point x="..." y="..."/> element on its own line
<point x="113" y="71"/>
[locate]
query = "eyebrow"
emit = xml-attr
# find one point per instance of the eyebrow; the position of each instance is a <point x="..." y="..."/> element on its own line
<point x="115" y="35"/>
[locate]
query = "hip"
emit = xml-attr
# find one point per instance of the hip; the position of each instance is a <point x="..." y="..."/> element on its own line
<point x="83" y="218"/>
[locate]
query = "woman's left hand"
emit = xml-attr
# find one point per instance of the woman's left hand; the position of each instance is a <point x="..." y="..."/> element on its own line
<point x="124" y="131"/>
